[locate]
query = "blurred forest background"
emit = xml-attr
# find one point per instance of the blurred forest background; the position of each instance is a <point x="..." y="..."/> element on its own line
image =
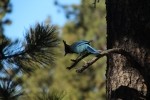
<point x="84" y="23"/>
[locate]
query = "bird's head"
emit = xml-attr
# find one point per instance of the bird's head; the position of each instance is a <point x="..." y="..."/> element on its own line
<point x="67" y="48"/>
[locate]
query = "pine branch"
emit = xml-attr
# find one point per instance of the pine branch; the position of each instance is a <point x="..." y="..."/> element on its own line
<point x="13" y="50"/>
<point x="104" y="53"/>
<point x="42" y="42"/>
<point x="38" y="49"/>
<point x="50" y="95"/>
<point x="8" y="90"/>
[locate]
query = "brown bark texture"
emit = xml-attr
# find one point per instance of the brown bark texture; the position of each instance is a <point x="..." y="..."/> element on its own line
<point x="128" y="27"/>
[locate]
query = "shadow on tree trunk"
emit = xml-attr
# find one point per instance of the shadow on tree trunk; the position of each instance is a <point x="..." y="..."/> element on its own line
<point x="127" y="93"/>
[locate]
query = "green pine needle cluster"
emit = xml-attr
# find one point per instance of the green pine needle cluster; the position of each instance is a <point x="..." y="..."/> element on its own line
<point x="39" y="48"/>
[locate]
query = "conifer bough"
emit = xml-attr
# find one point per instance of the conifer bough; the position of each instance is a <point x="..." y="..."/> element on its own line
<point x="37" y="50"/>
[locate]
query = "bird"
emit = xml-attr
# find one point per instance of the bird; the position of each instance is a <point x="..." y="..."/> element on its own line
<point x="80" y="47"/>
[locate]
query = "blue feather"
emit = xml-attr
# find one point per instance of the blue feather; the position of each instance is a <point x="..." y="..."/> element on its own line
<point x="92" y="50"/>
<point x="82" y="42"/>
<point x="80" y="47"/>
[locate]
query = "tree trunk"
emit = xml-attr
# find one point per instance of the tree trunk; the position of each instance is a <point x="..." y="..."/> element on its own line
<point x="128" y="27"/>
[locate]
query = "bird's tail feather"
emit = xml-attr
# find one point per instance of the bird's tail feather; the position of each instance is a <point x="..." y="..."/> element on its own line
<point x="92" y="50"/>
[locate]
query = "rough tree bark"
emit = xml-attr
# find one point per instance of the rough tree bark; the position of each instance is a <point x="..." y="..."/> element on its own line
<point x="128" y="27"/>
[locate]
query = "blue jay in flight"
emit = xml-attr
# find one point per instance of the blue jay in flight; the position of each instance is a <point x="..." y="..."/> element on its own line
<point x="80" y="47"/>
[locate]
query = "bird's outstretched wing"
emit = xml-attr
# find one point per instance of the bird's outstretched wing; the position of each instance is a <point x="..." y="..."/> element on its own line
<point x="92" y="50"/>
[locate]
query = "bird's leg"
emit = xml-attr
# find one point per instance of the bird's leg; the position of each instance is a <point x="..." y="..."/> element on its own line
<point x="83" y="55"/>
<point x="79" y="58"/>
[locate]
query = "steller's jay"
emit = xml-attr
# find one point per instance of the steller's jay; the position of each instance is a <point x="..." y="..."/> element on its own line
<point x="80" y="47"/>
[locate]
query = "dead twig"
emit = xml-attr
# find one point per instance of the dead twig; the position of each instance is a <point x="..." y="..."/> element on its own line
<point x="103" y="53"/>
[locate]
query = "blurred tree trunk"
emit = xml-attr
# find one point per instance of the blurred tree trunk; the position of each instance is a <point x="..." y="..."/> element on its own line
<point x="128" y="27"/>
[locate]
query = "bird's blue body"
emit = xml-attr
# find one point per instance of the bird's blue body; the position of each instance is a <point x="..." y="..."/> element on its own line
<point x="80" y="47"/>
